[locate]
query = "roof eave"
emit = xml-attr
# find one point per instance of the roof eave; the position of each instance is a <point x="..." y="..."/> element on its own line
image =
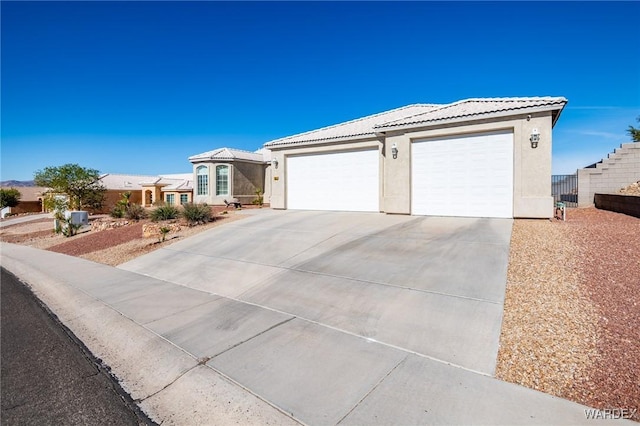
<point x="325" y="141"/>
<point x="556" y="116"/>
<point x="225" y="160"/>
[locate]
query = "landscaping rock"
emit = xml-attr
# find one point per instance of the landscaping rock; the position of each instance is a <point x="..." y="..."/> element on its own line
<point x="633" y="189"/>
<point x="153" y="229"/>
<point x="104" y="224"/>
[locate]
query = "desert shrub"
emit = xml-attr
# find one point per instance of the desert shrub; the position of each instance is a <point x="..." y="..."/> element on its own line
<point x="259" y="200"/>
<point x="135" y="212"/>
<point x="121" y="207"/>
<point x="196" y="213"/>
<point x="163" y="233"/>
<point x="117" y="212"/>
<point x="164" y="212"/>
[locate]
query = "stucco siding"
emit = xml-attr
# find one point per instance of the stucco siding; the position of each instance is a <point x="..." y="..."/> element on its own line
<point x="247" y="179"/>
<point x="531" y="171"/>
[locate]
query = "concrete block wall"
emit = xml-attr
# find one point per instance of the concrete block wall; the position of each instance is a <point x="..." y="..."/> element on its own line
<point x="620" y="169"/>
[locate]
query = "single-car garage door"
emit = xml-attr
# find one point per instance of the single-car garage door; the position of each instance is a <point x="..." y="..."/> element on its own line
<point x="463" y="176"/>
<point x="346" y="181"/>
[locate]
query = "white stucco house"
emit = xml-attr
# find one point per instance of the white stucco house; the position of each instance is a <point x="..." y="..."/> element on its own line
<point x="487" y="157"/>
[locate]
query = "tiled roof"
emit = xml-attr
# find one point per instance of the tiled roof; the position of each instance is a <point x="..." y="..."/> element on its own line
<point x="179" y="185"/>
<point x="469" y="108"/>
<point x="359" y="127"/>
<point x="183" y="176"/>
<point x="135" y="182"/>
<point x="423" y="115"/>
<point x="29" y="193"/>
<point x="228" y="154"/>
<point x="125" y="182"/>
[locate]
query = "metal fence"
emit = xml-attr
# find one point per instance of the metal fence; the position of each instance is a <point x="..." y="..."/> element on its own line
<point x="565" y="188"/>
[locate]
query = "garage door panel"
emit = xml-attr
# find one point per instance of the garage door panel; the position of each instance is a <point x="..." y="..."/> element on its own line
<point x="346" y="181"/>
<point x="463" y="176"/>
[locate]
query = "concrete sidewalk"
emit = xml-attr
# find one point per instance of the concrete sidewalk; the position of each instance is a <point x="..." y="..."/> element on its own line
<point x="192" y="357"/>
<point x="23" y="219"/>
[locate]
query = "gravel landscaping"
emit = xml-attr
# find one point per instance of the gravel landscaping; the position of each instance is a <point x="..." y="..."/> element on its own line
<point x="571" y="323"/>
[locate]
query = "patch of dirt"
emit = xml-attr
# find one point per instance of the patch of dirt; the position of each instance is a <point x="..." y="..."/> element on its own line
<point x="94" y="241"/>
<point x="571" y="323"/>
<point x="136" y="247"/>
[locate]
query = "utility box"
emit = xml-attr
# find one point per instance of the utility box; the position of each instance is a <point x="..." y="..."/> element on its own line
<point x="77" y="217"/>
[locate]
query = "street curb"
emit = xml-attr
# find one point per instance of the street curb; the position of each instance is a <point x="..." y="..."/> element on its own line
<point x="163" y="379"/>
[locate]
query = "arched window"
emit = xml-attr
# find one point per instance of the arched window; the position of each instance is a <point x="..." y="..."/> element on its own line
<point x="202" y="174"/>
<point x="222" y="180"/>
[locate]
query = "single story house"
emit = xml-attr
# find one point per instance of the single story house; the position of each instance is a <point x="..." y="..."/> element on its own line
<point x="170" y="189"/>
<point x="147" y="190"/>
<point x="30" y="200"/>
<point x="229" y="174"/>
<point x="476" y="157"/>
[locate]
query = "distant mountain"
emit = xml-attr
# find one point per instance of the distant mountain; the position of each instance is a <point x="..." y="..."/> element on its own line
<point x="10" y="183"/>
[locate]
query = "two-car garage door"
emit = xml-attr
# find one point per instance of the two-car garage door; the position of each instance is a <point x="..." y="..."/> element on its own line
<point x="463" y="176"/>
<point x="468" y="175"/>
<point x="345" y="180"/>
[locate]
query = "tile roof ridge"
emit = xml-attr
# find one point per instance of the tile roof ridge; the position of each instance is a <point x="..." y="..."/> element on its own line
<point x="550" y="99"/>
<point x="436" y="107"/>
<point x="126" y="174"/>
<point x="355" y="120"/>
<point x="242" y="150"/>
<point x="514" y="99"/>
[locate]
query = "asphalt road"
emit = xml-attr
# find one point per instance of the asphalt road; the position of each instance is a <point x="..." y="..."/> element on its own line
<point x="47" y="376"/>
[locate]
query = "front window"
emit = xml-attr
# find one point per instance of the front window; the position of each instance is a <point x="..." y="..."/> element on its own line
<point x="171" y="199"/>
<point x="222" y="180"/>
<point x="184" y="198"/>
<point x="202" y="174"/>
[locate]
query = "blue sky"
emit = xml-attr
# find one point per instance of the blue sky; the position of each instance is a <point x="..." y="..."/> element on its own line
<point x="137" y="87"/>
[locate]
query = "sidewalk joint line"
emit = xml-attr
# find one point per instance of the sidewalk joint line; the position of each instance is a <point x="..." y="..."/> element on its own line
<point x="294" y="269"/>
<point x="252" y="337"/>
<point x="382" y="379"/>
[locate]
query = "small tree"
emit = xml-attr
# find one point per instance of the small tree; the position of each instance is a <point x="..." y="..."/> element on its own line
<point x="81" y="185"/>
<point x="633" y="132"/>
<point x="9" y="197"/>
<point x="122" y="206"/>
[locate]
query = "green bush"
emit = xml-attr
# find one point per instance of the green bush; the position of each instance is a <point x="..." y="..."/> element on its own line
<point x="135" y="212"/>
<point x="259" y="200"/>
<point x="163" y="234"/>
<point x="164" y="212"/>
<point x="117" y="212"/>
<point x="195" y="214"/>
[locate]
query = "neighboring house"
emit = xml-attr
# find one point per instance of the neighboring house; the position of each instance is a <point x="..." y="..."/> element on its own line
<point x="30" y="200"/>
<point x="227" y="174"/>
<point x="620" y="169"/>
<point x="476" y="157"/>
<point x="147" y="190"/>
<point x="171" y="189"/>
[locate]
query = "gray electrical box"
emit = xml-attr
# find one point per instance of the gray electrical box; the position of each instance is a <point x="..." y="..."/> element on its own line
<point x="77" y="217"/>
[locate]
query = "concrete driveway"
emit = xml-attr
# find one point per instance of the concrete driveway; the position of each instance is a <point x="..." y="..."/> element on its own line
<point x="427" y="285"/>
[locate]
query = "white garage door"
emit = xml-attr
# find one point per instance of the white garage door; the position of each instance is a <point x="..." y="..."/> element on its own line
<point x="463" y="176"/>
<point x="346" y="181"/>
